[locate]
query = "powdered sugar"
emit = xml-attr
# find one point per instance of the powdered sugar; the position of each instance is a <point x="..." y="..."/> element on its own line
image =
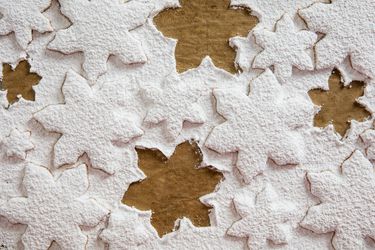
<point x="85" y="124"/>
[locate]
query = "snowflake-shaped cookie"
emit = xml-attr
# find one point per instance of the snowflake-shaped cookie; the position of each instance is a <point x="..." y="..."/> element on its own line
<point x="261" y="125"/>
<point x="349" y="29"/>
<point x="17" y="144"/>
<point x="284" y="48"/>
<point x="262" y="220"/>
<point x="127" y="229"/>
<point x="101" y="28"/>
<point x="175" y="103"/>
<point x="347" y="203"/>
<point x="88" y="123"/>
<point x="23" y="16"/>
<point x="54" y="208"/>
<point x="268" y="12"/>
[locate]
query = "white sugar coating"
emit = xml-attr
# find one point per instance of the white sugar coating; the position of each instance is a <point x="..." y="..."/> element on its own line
<point x="100" y="126"/>
<point x="14" y="116"/>
<point x="348" y="74"/>
<point x="92" y="233"/>
<point x="109" y="189"/>
<point x="325" y="152"/>
<point x="88" y="123"/>
<point x="173" y="104"/>
<point x="100" y="29"/>
<point x="11" y="178"/>
<point x="284" y="48"/>
<point x="326" y="149"/>
<point x="267" y="112"/>
<point x="246" y="50"/>
<point x="347" y="203"/>
<point x="54" y="208"/>
<point x="10" y="234"/>
<point x="349" y="30"/>
<point x="43" y="141"/>
<point x="368" y="138"/>
<point x="160" y="63"/>
<point x="302" y="82"/>
<point x="10" y="52"/>
<point x="208" y="77"/>
<point x="205" y="78"/>
<point x="22" y="17"/>
<point x="368" y="98"/>
<point x="187" y="236"/>
<point x="17" y="143"/>
<point x="269" y="12"/>
<point x="262" y="219"/>
<point x="52" y="67"/>
<point x="127" y="229"/>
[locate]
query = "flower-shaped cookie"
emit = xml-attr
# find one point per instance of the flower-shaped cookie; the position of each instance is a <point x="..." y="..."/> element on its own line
<point x="22" y="17"/>
<point x="101" y="28"/>
<point x="262" y="221"/>
<point x="260" y="126"/>
<point x="347" y="203"/>
<point x="54" y="208"/>
<point x="89" y="124"/>
<point x="284" y="48"/>
<point x="349" y="29"/>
